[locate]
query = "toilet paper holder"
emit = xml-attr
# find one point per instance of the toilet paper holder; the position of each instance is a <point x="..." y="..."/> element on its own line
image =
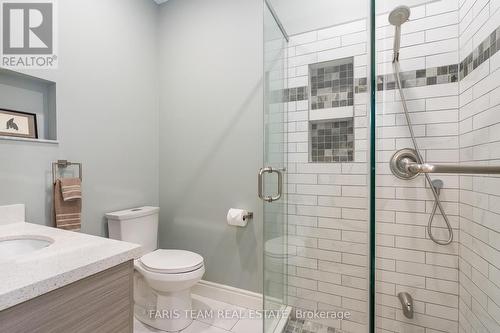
<point x="248" y="216"/>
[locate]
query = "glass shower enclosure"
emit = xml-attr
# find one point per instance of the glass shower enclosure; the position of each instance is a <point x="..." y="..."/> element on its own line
<point x="316" y="110"/>
<point x="382" y="117"/>
<point x="272" y="177"/>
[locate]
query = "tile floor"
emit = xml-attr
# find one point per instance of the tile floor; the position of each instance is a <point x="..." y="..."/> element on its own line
<point x="233" y="325"/>
<point x="213" y="325"/>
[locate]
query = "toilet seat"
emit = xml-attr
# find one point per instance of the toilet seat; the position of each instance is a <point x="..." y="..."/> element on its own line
<point x="171" y="261"/>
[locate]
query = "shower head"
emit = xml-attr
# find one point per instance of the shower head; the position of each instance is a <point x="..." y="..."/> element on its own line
<point x="399" y="15"/>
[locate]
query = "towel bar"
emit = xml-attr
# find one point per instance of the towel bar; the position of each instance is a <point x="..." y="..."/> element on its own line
<point x="64" y="164"/>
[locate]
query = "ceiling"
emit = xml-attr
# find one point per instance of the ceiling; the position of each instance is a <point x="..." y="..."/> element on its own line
<point x="305" y="15"/>
<point x="299" y="16"/>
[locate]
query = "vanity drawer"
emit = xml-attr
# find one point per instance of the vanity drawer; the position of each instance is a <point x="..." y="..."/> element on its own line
<point x="99" y="303"/>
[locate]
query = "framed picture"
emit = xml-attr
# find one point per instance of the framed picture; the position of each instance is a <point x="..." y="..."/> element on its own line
<point x="18" y="124"/>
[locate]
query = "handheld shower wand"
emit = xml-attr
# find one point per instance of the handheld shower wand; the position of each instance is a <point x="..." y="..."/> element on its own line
<point x="397" y="17"/>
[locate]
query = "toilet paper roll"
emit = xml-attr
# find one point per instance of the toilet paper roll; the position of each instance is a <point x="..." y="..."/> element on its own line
<point x="235" y="217"/>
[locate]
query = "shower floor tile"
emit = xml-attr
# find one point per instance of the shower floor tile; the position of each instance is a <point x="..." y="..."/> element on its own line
<point x="301" y="326"/>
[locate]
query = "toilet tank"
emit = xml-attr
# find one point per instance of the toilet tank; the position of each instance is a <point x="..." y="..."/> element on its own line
<point x="136" y="225"/>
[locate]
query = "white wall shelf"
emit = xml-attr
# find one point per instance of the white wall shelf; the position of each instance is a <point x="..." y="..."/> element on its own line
<point x="13" y="138"/>
<point x="25" y="93"/>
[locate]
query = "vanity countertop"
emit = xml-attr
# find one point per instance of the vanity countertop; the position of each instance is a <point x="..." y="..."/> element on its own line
<point x="72" y="257"/>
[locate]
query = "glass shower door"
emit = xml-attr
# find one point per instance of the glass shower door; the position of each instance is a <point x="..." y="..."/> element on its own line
<point x="271" y="177"/>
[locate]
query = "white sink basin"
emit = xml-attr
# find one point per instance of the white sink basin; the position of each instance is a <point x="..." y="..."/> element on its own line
<point x="13" y="247"/>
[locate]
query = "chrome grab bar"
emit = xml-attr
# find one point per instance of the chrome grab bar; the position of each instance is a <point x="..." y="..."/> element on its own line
<point x="404" y="165"/>
<point x="442" y="168"/>
<point x="261" y="184"/>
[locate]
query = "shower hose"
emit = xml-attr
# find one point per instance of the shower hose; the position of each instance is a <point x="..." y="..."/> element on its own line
<point x="435" y="192"/>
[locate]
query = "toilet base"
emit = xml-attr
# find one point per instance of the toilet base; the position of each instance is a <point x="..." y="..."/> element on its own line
<point x="163" y="300"/>
<point x="166" y="311"/>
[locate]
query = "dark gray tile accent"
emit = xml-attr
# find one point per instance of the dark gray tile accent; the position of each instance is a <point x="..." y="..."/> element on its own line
<point x="332" y="140"/>
<point x="332" y="84"/>
<point x="360" y="85"/>
<point x="488" y="47"/>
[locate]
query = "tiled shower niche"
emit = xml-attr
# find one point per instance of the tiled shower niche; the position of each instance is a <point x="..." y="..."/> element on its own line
<point x="331" y="125"/>
<point x="331" y="84"/>
<point x="332" y="140"/>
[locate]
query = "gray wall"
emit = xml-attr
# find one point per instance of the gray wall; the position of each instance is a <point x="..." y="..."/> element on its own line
<point x="107" y="114"/>
<point x="211" y="133"/>
<point x="210" y="124"/>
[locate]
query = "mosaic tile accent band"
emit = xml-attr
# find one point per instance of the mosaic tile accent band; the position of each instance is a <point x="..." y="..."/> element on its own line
<point x="289" y="95"/>
<point x="420" y="77"/>
<point x="409" y="79"/>
<point x="332" y="141"/>
<point x="417" y="78"/>
<point x="480" y="54"/>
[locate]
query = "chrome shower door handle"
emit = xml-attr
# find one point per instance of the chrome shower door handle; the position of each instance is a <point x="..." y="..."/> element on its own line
<point x="278" y="195"/>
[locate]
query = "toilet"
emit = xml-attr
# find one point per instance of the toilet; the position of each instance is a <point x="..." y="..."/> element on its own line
<point x="162" y="278"/>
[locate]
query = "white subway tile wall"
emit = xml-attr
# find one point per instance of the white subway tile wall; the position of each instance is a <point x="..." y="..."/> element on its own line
<point x="406" y="259"/>
<point x="328" y="202"/>
<point x="479" y="210"/>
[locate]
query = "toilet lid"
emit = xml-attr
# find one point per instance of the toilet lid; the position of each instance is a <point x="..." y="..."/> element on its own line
<point x="171" y="261"/>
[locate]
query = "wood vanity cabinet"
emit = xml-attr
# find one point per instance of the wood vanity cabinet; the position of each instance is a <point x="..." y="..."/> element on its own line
<point x="100" y="303"/>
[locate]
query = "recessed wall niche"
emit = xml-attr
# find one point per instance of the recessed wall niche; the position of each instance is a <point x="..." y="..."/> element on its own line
<point x="29" y="94"/>
<point x="331" y="111"/>
<point x="332" y="84"/>
<point x="332" y="141"/>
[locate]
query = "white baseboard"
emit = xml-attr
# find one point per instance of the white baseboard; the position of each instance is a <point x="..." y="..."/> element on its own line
<point x="227" y="294"/>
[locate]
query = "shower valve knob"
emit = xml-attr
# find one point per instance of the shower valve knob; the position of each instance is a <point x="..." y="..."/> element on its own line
<point x="398" y="166"/>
